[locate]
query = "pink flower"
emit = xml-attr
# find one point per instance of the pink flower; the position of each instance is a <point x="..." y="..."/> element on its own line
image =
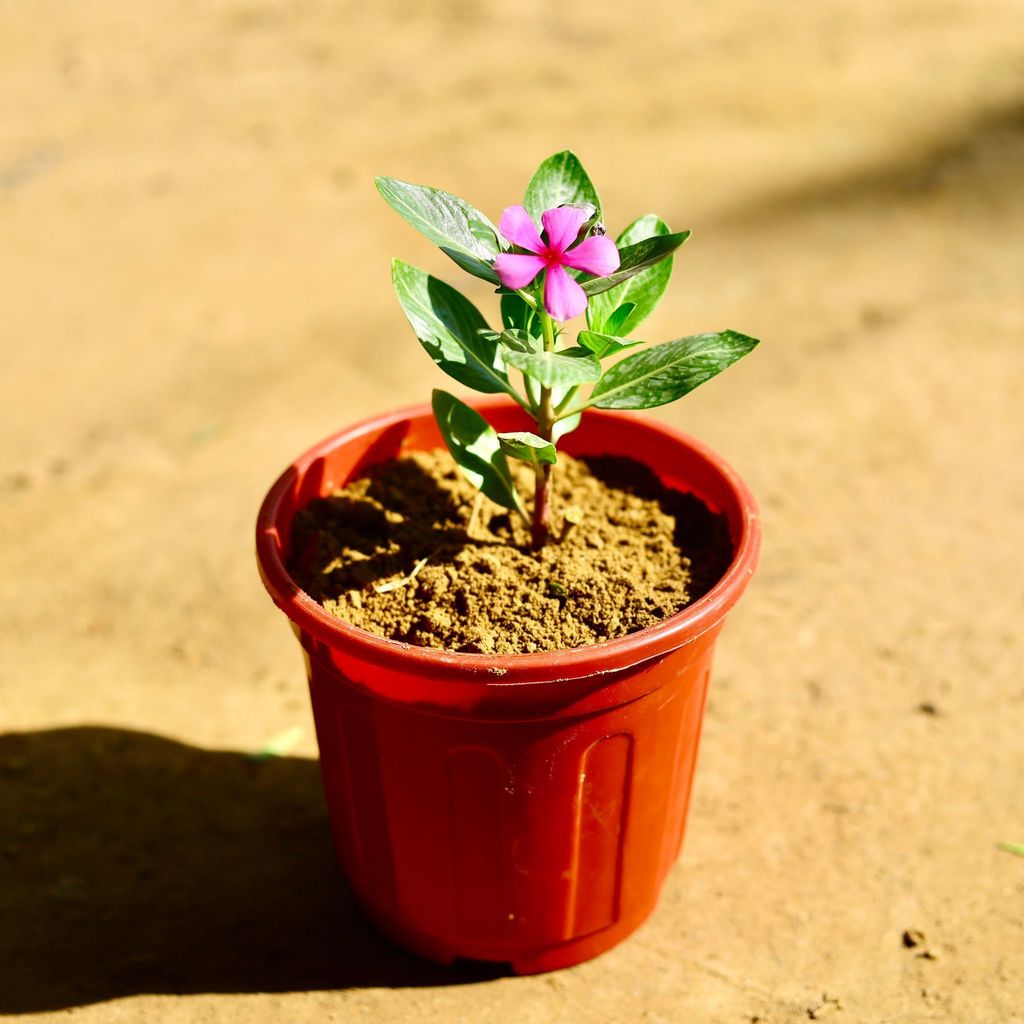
<point x="563" y="297"/>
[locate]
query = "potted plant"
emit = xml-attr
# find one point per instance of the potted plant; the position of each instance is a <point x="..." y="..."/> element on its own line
<point x="515" y="803"/>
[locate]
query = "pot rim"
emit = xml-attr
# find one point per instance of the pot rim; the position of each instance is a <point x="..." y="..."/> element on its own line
<point x="507" y="669"/>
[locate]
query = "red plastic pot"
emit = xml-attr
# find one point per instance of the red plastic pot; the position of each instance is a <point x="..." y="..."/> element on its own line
<point x="522" y="808"/>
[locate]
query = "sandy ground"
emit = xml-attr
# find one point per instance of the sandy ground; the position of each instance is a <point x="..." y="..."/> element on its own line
<point x="194" y="287"/>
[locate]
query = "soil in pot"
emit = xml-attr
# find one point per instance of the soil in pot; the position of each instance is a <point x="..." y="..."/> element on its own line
<point x="413" y="553"/>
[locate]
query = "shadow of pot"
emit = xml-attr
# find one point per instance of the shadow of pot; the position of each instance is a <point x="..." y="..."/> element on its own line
<point x="131" y="863"/>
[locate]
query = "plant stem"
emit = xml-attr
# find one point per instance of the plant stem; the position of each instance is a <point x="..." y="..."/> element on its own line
<point x="545" y="422"/>
<point x="569" y="396"/>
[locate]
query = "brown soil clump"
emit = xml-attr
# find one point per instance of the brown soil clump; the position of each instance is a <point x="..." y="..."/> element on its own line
<point x="413" y="553"/>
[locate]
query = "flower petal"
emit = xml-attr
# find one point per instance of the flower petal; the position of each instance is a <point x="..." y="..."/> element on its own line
<point x="563" y="297"/>
<point x="596" y="255"/>
<point x="562" y="225"/>
<point x="517" y="270"/>
<point x="518" y="227"/>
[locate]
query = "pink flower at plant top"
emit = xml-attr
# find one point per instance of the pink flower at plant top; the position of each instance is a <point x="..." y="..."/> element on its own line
<point x="563" y="297"/>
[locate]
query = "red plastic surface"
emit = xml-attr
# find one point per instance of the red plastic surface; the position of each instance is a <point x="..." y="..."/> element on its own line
<point x="520" y="808"/>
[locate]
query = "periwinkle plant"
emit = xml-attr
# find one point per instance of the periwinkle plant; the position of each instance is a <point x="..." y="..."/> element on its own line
<point x="545" y="275"/>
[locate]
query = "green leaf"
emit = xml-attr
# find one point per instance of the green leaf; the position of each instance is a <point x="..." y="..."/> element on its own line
<point x="642" y="291"/>
<point x="666" y="372"/>
<point x="280" y="745"/>
<point x="1015" y="848"/>
<point x="637" y="257"/>
<point x="555" y="369"/>
<point x="559" y="181"/>
<point x="461" y="230"/>
<point x="517" y="316"/>
<point x="615" y="323"/>
<point x="603" y="345"/>
<point x="476" y="449"/>
<point x="528" y="447"/>
<point x="448" y="326"/>
<point x="521" y="341"/>
<point x="515" y="313"/>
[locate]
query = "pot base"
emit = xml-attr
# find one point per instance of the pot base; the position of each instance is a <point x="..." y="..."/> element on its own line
<point x="537" y="961"/>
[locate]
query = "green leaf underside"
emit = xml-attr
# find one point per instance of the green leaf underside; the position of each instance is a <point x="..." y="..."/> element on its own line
<point x="560" y="395"/>
<point x="565" y="426"/>
<point x="555" y="369"/>
<point x="476" y="449"/>
<point x="448" y="326"/>
<point x="528" y="447"/>
<point x="642" y="291"/>
<point x="636" y="257"/>
<point x="614" y="325"/>
<point x="659" y="375"/>
<point x="603" y="345"/>
<point x="559" y="181"/>
<point x="459" y="229"/>
<point x="471" y="265"/>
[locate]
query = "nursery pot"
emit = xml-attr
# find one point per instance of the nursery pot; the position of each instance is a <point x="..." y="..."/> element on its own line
<point x="522" y="808"/>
